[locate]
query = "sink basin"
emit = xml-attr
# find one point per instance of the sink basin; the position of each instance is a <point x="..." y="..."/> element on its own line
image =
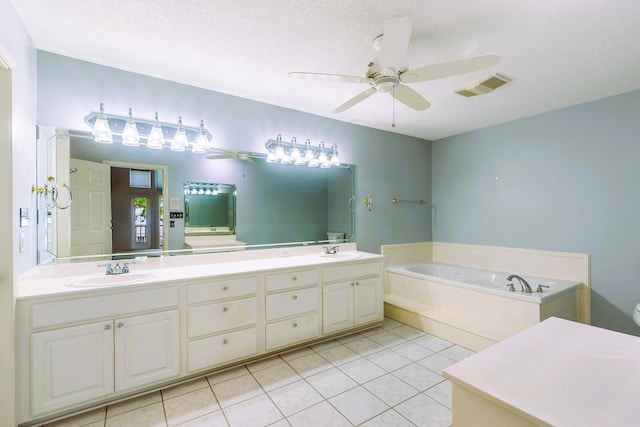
<point x="98" y="280"/>
<point x="342" y="256"/>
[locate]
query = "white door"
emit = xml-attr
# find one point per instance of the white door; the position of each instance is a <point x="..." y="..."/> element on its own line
<point x="368" y="305"/>
<point x="91" y="208"/>
<point x="71" y="365"/>
<point x="147" y="349"/>
<point x="337" y="302"/>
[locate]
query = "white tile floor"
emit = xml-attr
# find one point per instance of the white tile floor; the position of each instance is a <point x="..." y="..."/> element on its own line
<point x="386" y="376"/>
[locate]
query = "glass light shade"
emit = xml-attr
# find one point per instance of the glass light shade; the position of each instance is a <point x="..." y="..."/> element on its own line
<point x="101" y="130"/>
<point x="279" y="152"/>
<point x="200" y="144"/>
<point x="130" y="135"/>
<point x="335" y="159"/>
<point x="156" y="138"/>
<point x="179" y="142"/>
<point x="271" y="157"/>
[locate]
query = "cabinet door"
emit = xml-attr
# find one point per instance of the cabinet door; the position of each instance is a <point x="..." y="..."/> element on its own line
<point x="147" y="349"/>
<point x="71" y="365"/>
<point x="368" y="304"/>
<point x="337" y="310"/>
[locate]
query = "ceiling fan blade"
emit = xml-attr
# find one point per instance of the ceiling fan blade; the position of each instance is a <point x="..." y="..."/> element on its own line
<point x="410" y="98"/>
<point x="450" y="68"/>
<point x="329" y="77"/>
<point x="245" y="157"/>
<point x="219" y="156"/>
<point x="395" y="41"/>
<point x="356" y="99"/>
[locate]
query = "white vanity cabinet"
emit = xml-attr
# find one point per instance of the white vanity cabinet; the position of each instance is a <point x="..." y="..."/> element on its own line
<point x="351" y="296"/>
<point x="292" y="307"/>
<point x="222" y="321"/>
<point x="71" y="365"/>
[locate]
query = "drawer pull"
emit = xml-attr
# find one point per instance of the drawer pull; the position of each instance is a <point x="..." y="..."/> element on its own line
<point x="120" y="324"/>
<point x="225" y="341"/>
<point x="295" y="325"/>
<point x="295" y="297"/>
<point x="107" y="327"/>
<point x="294" y="278"/>
<point x="225" y="309"/>
<point x="225" y="288"/>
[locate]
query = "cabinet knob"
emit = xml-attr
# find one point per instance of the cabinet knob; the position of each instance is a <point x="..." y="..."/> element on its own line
<point x="107" y="327"/>
<point x="295" y="325"/>
<point x="351" y="283"/>
<point x="225" y="309"/>
<point x="225" y="288"/>
<point x="357" y="283"/>
<point x="295" y="297"/>
<point x="120" y="324"/>
<point x="294" y="278"/>
<point x="225" y="341"/>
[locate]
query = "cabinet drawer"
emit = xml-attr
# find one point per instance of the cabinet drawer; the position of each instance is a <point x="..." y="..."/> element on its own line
<point x="218" y="317"/>
<point x="291" y="303"/>
<point x="291" y="279"/>
<point x="101" y="306"/>
<point x="348" y="271"/>
<point x="222" y="289"/>
<point x="220" y="349"/>
<point x="291" y="331"/>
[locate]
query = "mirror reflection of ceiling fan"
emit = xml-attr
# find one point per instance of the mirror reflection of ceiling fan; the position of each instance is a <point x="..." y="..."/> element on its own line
<point x="219" y="153"/>
<point x="389" y="74"/>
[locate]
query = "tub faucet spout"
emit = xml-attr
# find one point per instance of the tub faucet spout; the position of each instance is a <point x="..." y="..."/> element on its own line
<point x="523" y="283"/>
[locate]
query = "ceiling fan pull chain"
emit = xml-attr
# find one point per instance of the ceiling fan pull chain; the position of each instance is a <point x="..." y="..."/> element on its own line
<point x="393" y="106"/>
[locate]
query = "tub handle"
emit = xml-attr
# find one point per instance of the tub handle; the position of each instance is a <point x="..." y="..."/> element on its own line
<point x="540" y="288"/>
<point x="510" y="287"/>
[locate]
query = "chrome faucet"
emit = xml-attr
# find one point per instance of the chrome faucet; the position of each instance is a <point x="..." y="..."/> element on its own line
<point x="330" y="250"/>
<point x="523" y="283"/>
<point x="115" y="270"/>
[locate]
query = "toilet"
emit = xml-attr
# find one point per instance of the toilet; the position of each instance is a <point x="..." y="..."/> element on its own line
<point x="636" y="315"/>
<point x="334" y="237"/>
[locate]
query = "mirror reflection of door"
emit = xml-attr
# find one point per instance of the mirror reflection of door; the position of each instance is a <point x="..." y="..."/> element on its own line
<point x="91" y="208"/>
<point x="136" y="209"/>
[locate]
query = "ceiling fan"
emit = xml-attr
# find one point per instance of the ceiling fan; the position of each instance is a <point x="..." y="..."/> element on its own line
<point x="389" y="74"/>
<point x="229" y="154"/>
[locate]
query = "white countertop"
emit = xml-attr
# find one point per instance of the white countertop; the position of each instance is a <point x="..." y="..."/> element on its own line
<point x="54" y="279"/>
<point x="559" y="373"/>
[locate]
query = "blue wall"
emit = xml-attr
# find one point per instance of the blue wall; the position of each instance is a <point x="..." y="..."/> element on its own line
<point x="388" y="165"/>
<point x="568" y="180"/>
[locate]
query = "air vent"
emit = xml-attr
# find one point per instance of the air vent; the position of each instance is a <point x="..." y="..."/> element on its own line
<point x="485" y="86"/>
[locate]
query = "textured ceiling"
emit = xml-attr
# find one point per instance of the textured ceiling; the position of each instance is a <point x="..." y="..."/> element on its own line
<point x="557" y="53"/>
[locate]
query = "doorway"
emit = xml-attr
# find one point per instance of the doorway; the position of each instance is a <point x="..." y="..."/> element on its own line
<point x="136" y="210"/>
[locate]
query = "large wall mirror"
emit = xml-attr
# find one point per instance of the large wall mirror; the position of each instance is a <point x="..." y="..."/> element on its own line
<point x="113" y="216"/>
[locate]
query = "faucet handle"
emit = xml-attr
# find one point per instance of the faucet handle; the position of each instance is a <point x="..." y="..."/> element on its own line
<point x="109" y="268"/>
<point x="510" y="287"/>
<point x="540" y="288"/>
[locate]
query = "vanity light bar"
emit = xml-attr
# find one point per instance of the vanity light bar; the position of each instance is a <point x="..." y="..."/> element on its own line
<point x="292" y="153"/>
<point x="108" y="128"/>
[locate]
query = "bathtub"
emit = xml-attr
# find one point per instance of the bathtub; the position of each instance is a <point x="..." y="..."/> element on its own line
<point x="473" y="307"/>
<point x="486" y="281"/>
